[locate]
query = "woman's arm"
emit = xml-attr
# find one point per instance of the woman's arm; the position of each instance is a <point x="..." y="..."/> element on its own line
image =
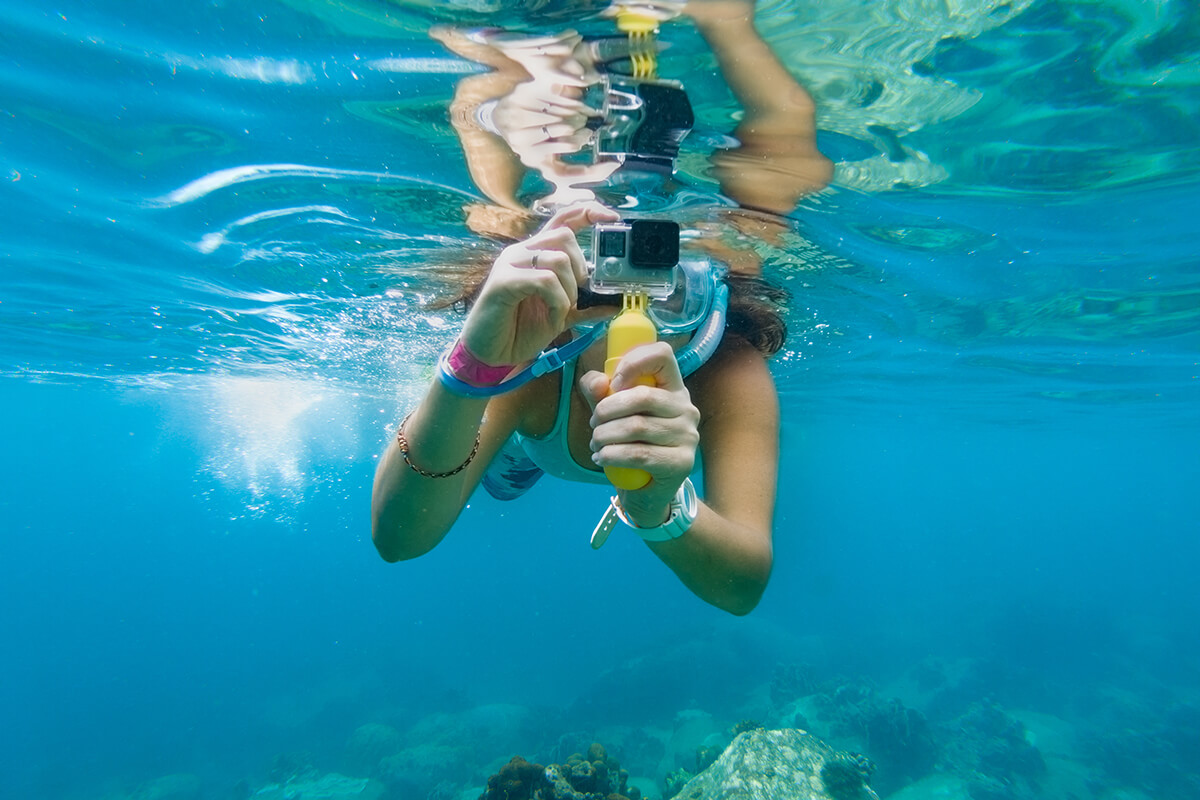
<point x="725" y="556"/>
<point x="410" y="511"/>
<point x="527" y="300"/>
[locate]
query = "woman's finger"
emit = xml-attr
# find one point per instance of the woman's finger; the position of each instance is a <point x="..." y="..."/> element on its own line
<point x="578" y="216"/>
<point x="648" y="401"/>
<point x="662" y="431"/>
<point x="563" y="242"/>
<point x="558" y="263"/>
<point x="656" y="360"/>
<point x="661" y="462"/>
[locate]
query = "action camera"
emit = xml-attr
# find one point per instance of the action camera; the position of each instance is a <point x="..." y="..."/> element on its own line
<point x="637" y="255"/>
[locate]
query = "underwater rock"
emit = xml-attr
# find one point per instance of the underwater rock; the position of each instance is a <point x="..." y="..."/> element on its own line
<point x="327" y="787"/>
<point x="416" y="771"/>
<point x="780" y="765"/>
<point x="370" y="744"/>
<point x="490" y="728"/>
<point x="694" y="732"/>
<point x="938" y="785"/>
<point x="181" y="786"/>
<point x="289" y="767"/>
<point x="634" y="692"/>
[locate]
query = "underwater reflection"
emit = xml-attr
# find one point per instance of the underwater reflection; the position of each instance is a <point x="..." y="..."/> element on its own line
<point x="564" y="118"/>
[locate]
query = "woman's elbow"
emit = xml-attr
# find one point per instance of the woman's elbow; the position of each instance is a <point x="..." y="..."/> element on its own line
<point x="746" y="590"/>
<point x="394" y="545"/>
<point x="386" y="546"/>
<point x="744" y="600"/>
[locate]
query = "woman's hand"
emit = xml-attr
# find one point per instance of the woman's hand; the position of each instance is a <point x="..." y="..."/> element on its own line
<point x="530" y="293"/>
<point x="654" y="428"/>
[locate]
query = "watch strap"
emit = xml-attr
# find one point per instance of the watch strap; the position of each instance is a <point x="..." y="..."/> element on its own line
<point x="684" y="507"/>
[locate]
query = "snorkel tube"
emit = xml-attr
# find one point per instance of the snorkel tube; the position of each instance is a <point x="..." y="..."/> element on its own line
<point x="629" y="329"/>
<point x="706" y="339"/>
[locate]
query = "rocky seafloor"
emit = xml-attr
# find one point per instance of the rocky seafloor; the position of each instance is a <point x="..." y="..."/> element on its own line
<point x="952" y="729"/>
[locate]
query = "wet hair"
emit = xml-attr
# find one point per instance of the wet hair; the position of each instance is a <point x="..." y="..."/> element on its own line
<point x="756" y="309"/>
<point x="756" y="304"/>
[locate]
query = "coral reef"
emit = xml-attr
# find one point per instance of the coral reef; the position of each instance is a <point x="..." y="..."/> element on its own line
<point x="591" y="776"/>
<point x="676" y="780"/>
<point x="517" y="780"/>
<point x="743" y="726"/>
<point x="1160" y="759"/>
<point x="847" y="776"/>
<point x="791" y="680"/>
<point x="991" y="751"/>
<point x="898" y="738"/>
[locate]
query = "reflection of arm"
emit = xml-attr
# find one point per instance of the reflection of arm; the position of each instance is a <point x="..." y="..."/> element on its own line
<point x="778" y="161"/>
<point x="494" y="167"/>
<point x="726" y="556"/>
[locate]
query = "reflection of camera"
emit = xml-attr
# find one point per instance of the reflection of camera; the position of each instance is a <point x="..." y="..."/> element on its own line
<point x="637" y="255"/>
<point x="644" y="121"/>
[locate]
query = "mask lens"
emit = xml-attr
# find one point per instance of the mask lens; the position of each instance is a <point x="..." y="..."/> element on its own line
<point x="690" y="302"/>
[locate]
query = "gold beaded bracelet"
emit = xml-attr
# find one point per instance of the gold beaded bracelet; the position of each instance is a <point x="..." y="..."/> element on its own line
<point x="402" y="443"/>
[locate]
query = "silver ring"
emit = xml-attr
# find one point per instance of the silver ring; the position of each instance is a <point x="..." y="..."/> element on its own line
<point x="545" y="132"/>
<point x="533" y="263"/>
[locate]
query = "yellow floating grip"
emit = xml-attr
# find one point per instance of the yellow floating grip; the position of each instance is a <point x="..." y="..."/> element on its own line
<point x="631" y="328"/>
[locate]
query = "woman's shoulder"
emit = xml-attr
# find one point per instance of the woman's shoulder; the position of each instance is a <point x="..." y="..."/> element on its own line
<point x="736" y="377"/>
<point x="734" y="354"/>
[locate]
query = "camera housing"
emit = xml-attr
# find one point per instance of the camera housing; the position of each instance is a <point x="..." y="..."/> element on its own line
<point x="644" y="122"/>
<point x="634" y="255"/>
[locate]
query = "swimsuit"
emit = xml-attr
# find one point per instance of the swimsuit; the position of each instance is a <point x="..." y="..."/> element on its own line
<point x="524" y="459"/>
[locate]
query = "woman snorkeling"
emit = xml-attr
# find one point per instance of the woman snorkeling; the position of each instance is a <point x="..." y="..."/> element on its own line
<point x="725" y="413"/>
<point x="526" y="389"/>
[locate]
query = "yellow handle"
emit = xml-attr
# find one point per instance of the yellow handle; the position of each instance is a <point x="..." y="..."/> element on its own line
<point x="631" y="328"/>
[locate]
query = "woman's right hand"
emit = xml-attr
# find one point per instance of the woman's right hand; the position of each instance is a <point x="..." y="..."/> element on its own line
<point x="528" y="297"/>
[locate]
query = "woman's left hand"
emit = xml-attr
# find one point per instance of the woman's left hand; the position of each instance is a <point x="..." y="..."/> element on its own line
<point x="654" y="428"/>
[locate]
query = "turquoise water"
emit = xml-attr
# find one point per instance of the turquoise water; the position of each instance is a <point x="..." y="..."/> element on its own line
<point x="215" y="222"/>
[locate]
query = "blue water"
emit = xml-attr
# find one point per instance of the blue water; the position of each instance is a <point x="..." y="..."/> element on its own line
<point x="990" y="433"/>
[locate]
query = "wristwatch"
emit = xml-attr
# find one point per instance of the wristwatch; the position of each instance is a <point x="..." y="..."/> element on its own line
<point x="684" y="508"/>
